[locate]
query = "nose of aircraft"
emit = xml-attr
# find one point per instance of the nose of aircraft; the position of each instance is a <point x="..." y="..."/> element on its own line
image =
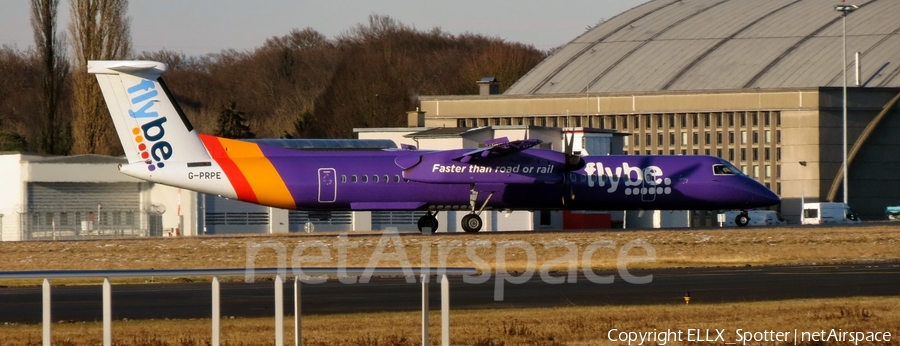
<point x="757" y="195"/>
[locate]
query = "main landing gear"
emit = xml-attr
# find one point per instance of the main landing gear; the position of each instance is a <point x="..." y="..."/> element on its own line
<point x="428" y="221"/>
<point x="471" y="223"/>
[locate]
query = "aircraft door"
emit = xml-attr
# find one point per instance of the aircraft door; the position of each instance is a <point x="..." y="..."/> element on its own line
<point x="327" y="185"/>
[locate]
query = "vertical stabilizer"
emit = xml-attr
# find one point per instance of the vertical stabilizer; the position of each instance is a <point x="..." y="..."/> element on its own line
<point x="150" y="125"/>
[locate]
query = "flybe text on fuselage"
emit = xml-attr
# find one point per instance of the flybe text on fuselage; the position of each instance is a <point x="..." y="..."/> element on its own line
<point x="148" y="136"/>
<point x="632" y="177"/>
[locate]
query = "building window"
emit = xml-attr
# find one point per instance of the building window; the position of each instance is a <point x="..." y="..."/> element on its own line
<point x="743" y="137"/>
<point x="671" y="138"/>
<point x="718" y="137"/>
<point x="744" y="169"/>
<point x="612" y="122"/>
<point x="625" y="122"/>
<point x="743" y="119"/>
<point x="683" y="120"/>
<point x="777" y="118"/>
<point x="743" y="154"/>
<point x="719" y="152"/>
<point x="706" y="152"/>
<point x="684" y="138"/>
<point x="731" y="155"/>
<point x="766" y="118"/>
<point x="768" y="171"/>
<point x="778" y="171"/>
<point x="695" y="120"/>
<point x="659" y="139"/>
<point x="768" y="136"/>
<point x="756" y="171"/>
<point x="767" y="152"/>
<point x="648" y="140"/>
<point x="777" y="154"/>
<point x="671" y="152"/>
<point x="730" y="137"/>
<point x="778" y="136"/>
<point x="755" y="154"/>
<point x="647" y="121"/>
<point x="706" y="117"/>
<point x="659" y="121"/>
<point x="706" y="137"/>
<point x="755" y="137"/>
<point x="731" y="120"/>
<point x="637" y="140"/>
<point x="778" y="188"/>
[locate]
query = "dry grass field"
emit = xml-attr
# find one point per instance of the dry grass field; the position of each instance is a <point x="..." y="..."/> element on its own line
<point x="552" y="326"/>
<point x="557" y="326"/>
<point x="685" y="248"/>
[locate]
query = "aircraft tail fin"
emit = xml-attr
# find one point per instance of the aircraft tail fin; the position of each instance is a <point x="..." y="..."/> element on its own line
<point x="151" y="126"/>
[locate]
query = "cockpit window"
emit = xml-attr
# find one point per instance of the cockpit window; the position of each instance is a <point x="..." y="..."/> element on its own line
<point x="725" y="169"/>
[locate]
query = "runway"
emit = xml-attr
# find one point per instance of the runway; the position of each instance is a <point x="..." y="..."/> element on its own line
<point x="668" y="286"/>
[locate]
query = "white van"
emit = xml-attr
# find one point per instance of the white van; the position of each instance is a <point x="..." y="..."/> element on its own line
<point x="757" y="218"/>
<point x="828" y="213"/>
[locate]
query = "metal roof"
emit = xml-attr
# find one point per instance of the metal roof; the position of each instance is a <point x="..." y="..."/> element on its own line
<point x="723" y="44"/>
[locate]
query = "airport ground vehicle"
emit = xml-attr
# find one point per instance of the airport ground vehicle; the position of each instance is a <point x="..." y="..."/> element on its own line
<point x="892" y="212"/>
<point x="828" y="213"/>
<point x="755" y="218"/>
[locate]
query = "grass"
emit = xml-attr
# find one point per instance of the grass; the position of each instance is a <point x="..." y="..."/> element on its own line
<point x="556" y="326"/>
<point x="550" y="326"/>
<point x="683" y="248"/>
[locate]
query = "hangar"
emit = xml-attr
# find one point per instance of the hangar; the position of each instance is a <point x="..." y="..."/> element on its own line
<point x="756" y="82"/>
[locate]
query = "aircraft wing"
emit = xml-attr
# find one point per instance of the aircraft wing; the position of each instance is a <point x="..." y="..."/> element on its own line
<point x="500" y="148"/>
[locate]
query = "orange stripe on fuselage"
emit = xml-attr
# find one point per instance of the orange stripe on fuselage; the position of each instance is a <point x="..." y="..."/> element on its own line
<point x="234" y="174"/>
<point x="264" y="179"/>
<point x="265" y="183"/>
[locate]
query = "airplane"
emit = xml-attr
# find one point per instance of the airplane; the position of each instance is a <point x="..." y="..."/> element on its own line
<point x="161" y="146"/>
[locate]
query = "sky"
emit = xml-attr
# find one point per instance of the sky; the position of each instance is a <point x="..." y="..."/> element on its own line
<point x="199" y="27"/>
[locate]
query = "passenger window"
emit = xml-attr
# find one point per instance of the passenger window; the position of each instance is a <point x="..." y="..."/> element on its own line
<point x="396" y="178"/>
<point x="375" y="178"/>
<point x="365" y="178"/>
<point x="353" y="178"/>
<point x="386" y="179"/>
<point x="343" y="178"/>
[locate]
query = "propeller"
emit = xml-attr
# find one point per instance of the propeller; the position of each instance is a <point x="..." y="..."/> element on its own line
<point x="572" y="162"/>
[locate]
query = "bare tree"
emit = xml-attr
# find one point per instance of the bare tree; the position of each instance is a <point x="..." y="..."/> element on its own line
<point x="54" y="135"/>
<point x="100" y="31"/>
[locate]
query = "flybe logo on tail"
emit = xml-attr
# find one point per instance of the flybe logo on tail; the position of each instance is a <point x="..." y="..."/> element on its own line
<point x="149" y="136"/>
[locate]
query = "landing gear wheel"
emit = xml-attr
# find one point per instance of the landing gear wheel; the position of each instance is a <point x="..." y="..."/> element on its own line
<point x="471" y="223"/>
<point x="742" y="219"/>
<point x="428" y="221"/>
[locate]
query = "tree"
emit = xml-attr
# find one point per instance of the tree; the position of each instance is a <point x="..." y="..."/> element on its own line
<point x="232" y="124"/>
<point x="54" y="130"/>
<point x="100" y="31"/>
